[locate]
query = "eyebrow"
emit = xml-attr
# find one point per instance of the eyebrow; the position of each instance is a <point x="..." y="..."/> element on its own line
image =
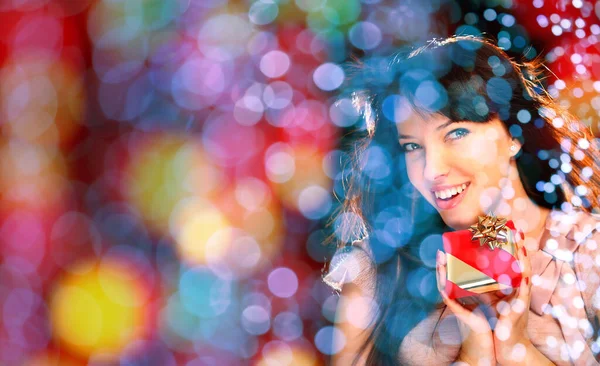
<point x="438" y="128"/>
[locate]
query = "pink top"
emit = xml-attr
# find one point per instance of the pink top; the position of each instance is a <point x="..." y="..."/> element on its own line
<point x="565" y="296"/>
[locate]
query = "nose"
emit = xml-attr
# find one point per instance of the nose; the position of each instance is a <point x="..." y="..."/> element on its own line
<point x="436" y="165"/>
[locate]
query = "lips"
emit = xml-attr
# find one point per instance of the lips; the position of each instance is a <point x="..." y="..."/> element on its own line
<point x="446" y="204"/>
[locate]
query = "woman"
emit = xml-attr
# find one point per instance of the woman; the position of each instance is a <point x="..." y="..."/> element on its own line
<point x="451" y="131"/>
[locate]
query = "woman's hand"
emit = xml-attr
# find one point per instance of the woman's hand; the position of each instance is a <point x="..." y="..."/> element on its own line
<point x="475" y="331"/>
<point x="511" y="341"/>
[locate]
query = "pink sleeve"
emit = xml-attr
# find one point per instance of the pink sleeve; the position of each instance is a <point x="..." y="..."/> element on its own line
<point x="586" y="262"/>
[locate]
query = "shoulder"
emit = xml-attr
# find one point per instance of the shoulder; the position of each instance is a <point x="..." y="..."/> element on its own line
<point x="352" y="264"/>
<point x="576" y="226"/>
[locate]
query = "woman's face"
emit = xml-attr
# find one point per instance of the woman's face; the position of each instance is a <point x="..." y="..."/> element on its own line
<point x="461" y="168"/>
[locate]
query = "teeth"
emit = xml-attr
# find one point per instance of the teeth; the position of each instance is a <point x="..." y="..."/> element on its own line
<point x="447" y="193"/>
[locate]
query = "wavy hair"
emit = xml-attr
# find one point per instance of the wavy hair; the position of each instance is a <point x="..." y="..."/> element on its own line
<point x="474" y="80"/>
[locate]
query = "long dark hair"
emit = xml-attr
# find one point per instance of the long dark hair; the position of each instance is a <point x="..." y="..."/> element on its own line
<point x="464" y="78"/>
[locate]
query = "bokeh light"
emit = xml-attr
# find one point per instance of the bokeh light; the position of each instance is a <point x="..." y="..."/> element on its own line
<point x="170" y="169"/>
<point x="100" y="307"/>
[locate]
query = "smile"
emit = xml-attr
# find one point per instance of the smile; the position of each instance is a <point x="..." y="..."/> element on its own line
<point x="449" y="198"/>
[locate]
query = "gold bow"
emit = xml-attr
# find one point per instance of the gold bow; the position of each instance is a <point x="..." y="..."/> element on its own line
<point x="490" y="230"/>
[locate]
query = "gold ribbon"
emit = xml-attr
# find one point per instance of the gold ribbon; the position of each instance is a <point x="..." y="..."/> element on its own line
<point x="490" y="230"/>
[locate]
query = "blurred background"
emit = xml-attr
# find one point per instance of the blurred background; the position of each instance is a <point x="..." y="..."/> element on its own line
<point x="170" y="169"/>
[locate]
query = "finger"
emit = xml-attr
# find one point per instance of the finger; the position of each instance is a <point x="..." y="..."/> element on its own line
<point x="476" y="322"/>
<point x="443" y="269"/>
<point x="522" y="257"/>
<point x="437" y="273"/>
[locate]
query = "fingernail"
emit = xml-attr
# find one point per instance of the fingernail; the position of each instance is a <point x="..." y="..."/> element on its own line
<point x="527" y="280"/>
<point x="442" y="258"/>
<point x="524" y="251"/>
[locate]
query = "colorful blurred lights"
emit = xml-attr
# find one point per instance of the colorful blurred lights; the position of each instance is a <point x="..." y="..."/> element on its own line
<point x="283" y="282"/>
<point x="365" y="35"/>
<point x="330" y="340"/>
<point x="314" y="202"/>
<point x="193" y="223"/>
<point x="274" y="64"/>
<point x="280" y="163"/>
<point x="256" y="320"/>
<point x="99" y="308"/>
<point x="204" y="294"/>
<point x="328" y="76"/>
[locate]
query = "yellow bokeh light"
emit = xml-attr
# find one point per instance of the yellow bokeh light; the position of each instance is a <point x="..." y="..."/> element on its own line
<point x="193" y="223"/>
<point x="99" y="307"/>
<point x="280" y="354"/>
<point x="162" y="172"/>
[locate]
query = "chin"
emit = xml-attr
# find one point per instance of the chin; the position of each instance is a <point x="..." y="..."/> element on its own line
<point x="459" y="222"/>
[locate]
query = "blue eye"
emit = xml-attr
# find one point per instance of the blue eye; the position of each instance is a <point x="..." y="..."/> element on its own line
<point x="458" y="134"/>
<point x="411" y="146"/>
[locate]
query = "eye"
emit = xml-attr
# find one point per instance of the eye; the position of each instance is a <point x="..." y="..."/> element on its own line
<point x="411" y="146"/>
<point x="457" y="134"/>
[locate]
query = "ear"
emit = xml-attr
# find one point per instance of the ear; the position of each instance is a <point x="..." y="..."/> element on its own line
<point x="515" y="147"/>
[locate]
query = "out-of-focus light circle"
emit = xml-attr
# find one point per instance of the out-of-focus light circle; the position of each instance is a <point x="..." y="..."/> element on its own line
<point x="143" y="352"/>
<point x="314" y="202"/>
<point x="396" y="108"/>
<point x="325" y="342"/>
<point x="204" y="294"/>
<point x="343" y="113"/>
<point x="162" y="171"/>
<point x="293" y="169"/>
<point x="542" y="20"/>
<point x="41" y="100"/>
<point x="252" y="193"/>
<point x="193" y="223"/>
<point x="256" y="320"/>
<point x="112" y="24"/>
<point x="278" y="95"/>
<point x="32" y="175"/>
<point x="310" y="5"/>
<point x="489" y="15"/>
<point x="198" y="83"/>
<point x="263" y="12"/>
<point x="365" y="35"/>
<point x="274" y="64"/>
<point x="23" y="240"/>
<point x="507" y="20"/>
<point x="248" y="110"/>
<point x="308" y="115"/>
<point x="328" y="76"/>
<point x="288" y="326"/>
<point x="233" y="254"/>
<point x="99" y="308"/>
<point x="283" y="282"/>
<point x="431" y="95"/>
<point x="280" y="353"/>
<point x="335" y="13"/>
<point x="229" y="143"/>
<point x="279" y="163"/>
<point x="225" y="36"/>
<point x="36" y="33"/>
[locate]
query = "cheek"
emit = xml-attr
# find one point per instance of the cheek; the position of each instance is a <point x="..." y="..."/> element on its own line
<point x="414" y="171"/>
<point x="482" y="151"/>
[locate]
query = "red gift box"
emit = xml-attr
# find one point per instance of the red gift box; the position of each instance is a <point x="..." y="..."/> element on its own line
<point x="473" y="268"/>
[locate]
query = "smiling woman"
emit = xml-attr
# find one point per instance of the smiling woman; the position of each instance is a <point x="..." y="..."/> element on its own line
<point x="465" y="131"/>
